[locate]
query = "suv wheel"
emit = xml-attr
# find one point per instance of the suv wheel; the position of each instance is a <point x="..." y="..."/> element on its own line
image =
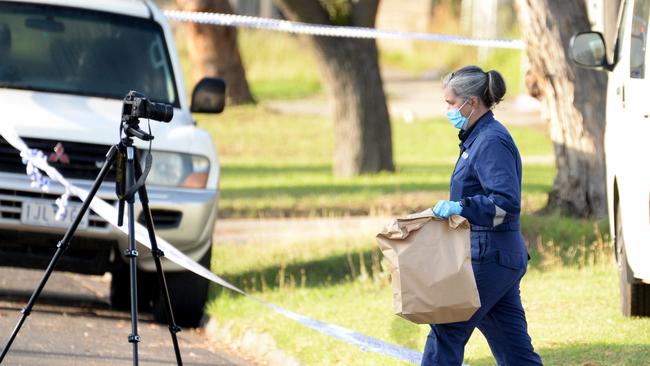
<point x="635" y="297"/>
<point x="120" y="294"/>
<point x="188" y="293"/>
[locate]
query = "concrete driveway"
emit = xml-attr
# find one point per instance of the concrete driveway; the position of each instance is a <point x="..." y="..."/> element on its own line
<point x="72" y="324"/>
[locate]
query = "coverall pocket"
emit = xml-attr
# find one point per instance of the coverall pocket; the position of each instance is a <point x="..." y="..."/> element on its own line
<point x="512" y="260"/>
<point x="479" y="244"/>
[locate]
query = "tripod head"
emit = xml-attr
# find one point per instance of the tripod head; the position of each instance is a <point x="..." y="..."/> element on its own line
<point x="137" y="105"/>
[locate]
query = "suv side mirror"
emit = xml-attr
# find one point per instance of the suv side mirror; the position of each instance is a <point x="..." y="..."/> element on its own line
<point x="588" y="49"/>
<point x="209" y="96"/>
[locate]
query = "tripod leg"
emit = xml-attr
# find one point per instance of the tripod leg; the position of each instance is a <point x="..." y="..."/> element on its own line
<point x="157" y="253"/>
<point x="132" y="254"/>
<point x="62" y="246"/>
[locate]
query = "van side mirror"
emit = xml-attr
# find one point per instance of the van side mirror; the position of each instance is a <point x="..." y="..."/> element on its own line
<point x="209" y="96"/>
<point x="588" y="49"/>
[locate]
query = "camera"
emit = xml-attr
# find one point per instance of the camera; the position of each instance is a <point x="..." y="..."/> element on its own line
<point x="136" y="105"/>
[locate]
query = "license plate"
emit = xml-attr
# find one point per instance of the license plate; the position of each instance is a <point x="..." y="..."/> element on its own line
<point x="44" y="214"/>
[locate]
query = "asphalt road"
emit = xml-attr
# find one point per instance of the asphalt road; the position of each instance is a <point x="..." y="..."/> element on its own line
<point x="72" y="324"/>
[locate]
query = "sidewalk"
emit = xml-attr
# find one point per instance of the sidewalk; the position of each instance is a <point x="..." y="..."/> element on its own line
<point x="245" y="231"/>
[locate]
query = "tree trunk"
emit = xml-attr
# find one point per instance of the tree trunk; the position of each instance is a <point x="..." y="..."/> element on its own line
<point x="214" y="52"/>
<point x="349" y="69"/>
<point x="574" y="100"/>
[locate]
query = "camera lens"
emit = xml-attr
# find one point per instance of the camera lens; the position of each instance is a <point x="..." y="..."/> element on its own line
<point x="160" y="111"/>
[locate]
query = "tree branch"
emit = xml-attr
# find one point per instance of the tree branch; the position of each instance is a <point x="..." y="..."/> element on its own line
<point x="308" y="11"/>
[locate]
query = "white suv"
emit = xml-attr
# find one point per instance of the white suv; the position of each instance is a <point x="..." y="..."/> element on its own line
<point x="65" y="66"/>
<point x="626" y="146"/>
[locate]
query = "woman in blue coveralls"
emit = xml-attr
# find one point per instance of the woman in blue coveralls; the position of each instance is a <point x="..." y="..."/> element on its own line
<point x="486" y="190"/>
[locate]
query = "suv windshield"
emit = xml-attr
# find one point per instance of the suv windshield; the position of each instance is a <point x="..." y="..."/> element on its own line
<point x="76" y="51"/>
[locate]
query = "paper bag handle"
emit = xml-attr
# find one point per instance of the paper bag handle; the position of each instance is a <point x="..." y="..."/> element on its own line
<point x="401" y="228"/>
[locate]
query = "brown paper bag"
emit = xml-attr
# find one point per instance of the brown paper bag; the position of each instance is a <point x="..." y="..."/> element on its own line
<point x="431" y="268"/>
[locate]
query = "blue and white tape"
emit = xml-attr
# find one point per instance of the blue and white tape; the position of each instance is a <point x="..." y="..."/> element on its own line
<point x="35" y="175"/>
<point x="361" y="340"/>
<point x="232" y="20"/>
<point x="41" y="182"/>
<point x="36" y="162"/>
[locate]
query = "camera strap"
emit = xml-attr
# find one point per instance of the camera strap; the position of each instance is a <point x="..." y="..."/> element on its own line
<point x="143" y="176"/>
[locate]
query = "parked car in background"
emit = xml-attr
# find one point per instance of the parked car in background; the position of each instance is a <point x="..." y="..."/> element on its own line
<point x="65" y="66"/>
<point x="626" y="146"/>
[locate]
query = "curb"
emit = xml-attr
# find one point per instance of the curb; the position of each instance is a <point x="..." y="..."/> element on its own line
<point x="261" y="347"/>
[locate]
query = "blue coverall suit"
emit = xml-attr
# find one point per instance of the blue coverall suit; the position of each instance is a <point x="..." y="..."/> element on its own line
<point x="487" y="181"/>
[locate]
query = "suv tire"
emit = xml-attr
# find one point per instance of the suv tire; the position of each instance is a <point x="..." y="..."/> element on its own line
<point x="188" y="293"/>
<point x="635" y="296"/>
<point x="120" y="294"/>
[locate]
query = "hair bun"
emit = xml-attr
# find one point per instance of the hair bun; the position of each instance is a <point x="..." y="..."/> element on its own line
<point x="496" y="87"/>
<point x="471" y="80"/>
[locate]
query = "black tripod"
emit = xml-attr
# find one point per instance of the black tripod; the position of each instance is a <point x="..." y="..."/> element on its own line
<point x="128" y="169"/>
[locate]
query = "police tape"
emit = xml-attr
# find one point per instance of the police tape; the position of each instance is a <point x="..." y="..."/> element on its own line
<point x="232" y="20"/>
<point x="36" y="160"/>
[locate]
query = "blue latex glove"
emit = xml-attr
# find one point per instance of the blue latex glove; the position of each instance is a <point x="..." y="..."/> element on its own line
<point x="443" y="209"/>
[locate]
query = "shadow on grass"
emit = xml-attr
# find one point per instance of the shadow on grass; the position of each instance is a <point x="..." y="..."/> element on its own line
<point x="588" y="354"/>
<point x="409" y="178"/>
<point x="310" y="190"/>
<point x="322" y="272"/>
<point x="255" y="170"/>
<point x="552" y="240"/>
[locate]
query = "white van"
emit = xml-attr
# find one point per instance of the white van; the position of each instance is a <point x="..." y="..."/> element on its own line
<point x="627" y="147"/>
<point x="65" y="67"/>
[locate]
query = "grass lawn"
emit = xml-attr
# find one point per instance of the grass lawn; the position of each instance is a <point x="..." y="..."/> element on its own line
<point x="276" y="64"/>
<point x="572" y="308"/>
<point x="279" y="66"/>
<point x="280" y="165"/>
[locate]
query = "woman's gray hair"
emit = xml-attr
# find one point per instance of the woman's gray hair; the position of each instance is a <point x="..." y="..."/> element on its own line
<point x="472" y="81"/>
